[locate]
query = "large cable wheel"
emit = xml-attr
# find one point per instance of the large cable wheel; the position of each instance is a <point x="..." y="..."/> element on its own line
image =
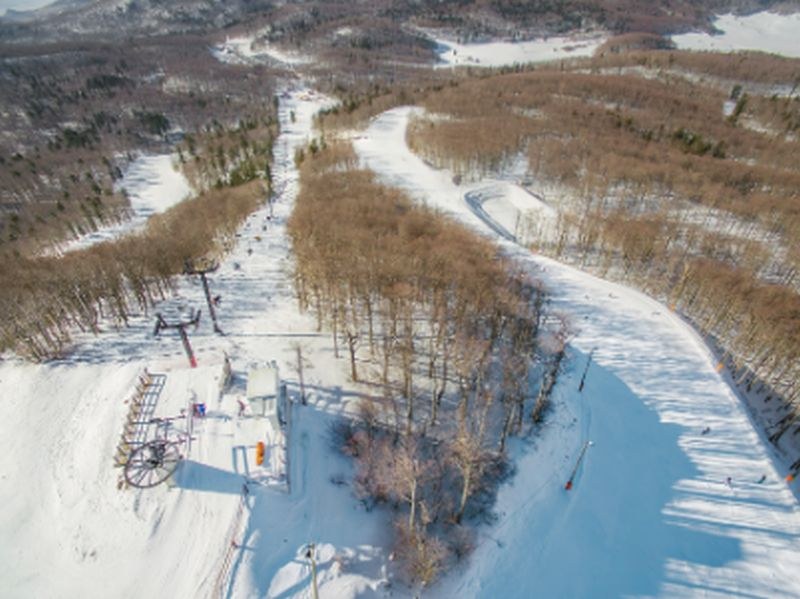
<point x="152" y="464"/>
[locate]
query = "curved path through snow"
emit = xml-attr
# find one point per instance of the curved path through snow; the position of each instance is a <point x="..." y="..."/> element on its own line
<point x="651" y="513"/>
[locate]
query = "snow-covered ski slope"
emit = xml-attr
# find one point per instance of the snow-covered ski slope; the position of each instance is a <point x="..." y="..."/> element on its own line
<point x="651" y="512"/>
<point x="497" y="54"/>
<point x="153" y="185"/>
<point x="67" y="531"/>
<point x="762" y="31"/>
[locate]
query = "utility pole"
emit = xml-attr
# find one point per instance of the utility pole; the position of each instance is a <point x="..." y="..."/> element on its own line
<point x="586" y="446"/>
<point x="162" y="324"/>
<point x="189" y="269"/>
<point x="311" y="556"/>
<point x="299" y="353"/>
<point x="586" y="371"/>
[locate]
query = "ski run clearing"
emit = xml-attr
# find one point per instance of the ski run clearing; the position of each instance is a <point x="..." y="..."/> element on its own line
<point x="659" y="506"/>
<point x="497" y="54"/>
<point x="763" y="31"/>
<point x="153" y="185"/>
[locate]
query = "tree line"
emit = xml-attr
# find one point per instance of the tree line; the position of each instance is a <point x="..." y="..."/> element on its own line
<point x="449" y="336"/>
<point x="74" y="115"/>
<point x="655" y="183"/>
<point x="44" y="300"/>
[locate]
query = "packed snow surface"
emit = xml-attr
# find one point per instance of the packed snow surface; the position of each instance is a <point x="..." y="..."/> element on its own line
<point x="153" y="185"/>
<point x="764" y="31"/>
<point x="497" y="54"/>
<point x="652" y="512"/>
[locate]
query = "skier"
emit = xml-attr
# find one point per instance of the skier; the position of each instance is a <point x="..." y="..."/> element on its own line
<point x="706" y="430"/>
<point x="729" y="482"/>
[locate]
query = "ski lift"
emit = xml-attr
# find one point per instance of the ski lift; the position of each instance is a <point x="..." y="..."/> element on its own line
<point x="152" y="463"/>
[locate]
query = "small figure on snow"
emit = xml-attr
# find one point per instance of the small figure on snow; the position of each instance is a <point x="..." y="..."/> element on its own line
<point x="242" y="407"/>
<point x="762" y="479"/>
<point x="217" y="300"/>
<point x="706" y="430"/>
<point x="729" y="482"/>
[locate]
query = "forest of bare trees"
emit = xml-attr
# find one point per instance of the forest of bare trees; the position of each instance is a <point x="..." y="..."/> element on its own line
<point x="45" y="300"/>
<point x="449" y="338"/>
<point x="75" y="114"/>
<point x="683" y="182"/>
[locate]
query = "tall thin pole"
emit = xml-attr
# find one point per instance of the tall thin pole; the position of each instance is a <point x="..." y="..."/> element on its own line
<point x="586" y="371"/>
<point x="189" y="269"/>
<point x="210" y="302"/>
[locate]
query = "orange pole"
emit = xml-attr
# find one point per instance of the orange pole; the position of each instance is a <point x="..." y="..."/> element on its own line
<point x="260" y="448"/>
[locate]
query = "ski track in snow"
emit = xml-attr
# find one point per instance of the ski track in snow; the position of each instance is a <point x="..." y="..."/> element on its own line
<point x="650" y="513"/>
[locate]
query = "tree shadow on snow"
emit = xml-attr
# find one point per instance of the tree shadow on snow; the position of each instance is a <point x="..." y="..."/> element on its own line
<point x="611" y="535"/>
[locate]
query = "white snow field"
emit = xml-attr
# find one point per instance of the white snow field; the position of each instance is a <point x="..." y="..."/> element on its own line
<point x="497" y="54"/>
<point x="651" y="512"/>
<point x="153" y="185"/>
<point x="247" y="50"/>
<point x="764" y="31"/>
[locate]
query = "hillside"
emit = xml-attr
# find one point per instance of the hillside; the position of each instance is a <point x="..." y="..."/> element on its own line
<point x="674" y="185"/>
<point x="399" y="299"/>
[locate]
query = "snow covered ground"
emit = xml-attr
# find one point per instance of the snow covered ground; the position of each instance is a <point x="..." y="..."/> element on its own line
<point x="496" y="54"/>
<point x="764" y="31"/>
<point x="153" y="185"/>
<point x="246" y="50"/>
<point x="652" y="512"/>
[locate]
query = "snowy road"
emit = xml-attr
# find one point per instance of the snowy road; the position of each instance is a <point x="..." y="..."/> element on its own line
<point x="651" y="513"/>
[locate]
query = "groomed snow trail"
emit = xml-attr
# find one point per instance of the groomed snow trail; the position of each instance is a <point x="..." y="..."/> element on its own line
<point x="651" y="513"/>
